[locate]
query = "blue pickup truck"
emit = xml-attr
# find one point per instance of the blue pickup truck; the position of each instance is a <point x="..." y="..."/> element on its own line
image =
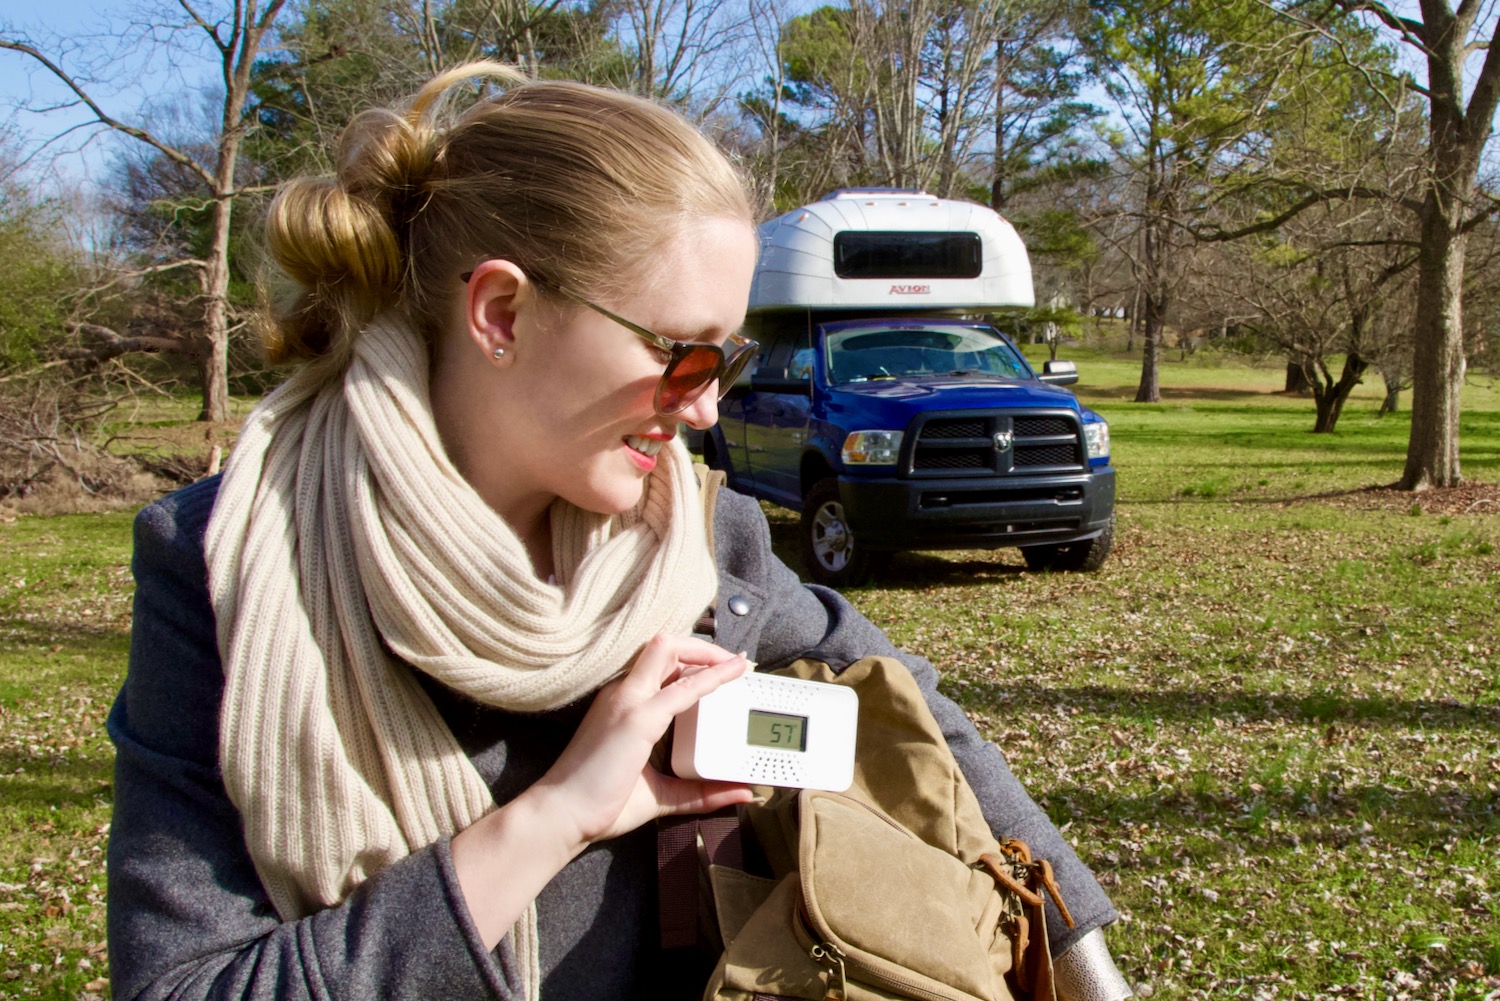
<point x="920" y="427"/>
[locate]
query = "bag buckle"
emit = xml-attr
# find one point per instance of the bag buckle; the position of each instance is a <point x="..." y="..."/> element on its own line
<point x="1024" y="882"/>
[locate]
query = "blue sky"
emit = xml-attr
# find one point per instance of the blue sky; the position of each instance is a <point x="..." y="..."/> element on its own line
<point x="129" y="82"/>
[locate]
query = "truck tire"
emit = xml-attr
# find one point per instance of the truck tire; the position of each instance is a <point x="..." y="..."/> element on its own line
<point x="829" y="550"/>
<point x="1078" y="557"/>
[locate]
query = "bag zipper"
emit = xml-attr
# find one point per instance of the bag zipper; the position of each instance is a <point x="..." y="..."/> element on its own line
<point x="829" y="955"/>
<point x="838" y="963"/>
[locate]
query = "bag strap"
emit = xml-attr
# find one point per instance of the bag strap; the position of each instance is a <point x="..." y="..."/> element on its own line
<point x="678" y="839"/>
<point x="684" y="844"/>
<point x="1014" y="872"/>
<point x="709" y="483"/>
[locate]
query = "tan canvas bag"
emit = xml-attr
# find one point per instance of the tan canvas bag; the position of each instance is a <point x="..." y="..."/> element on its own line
<point x="893" y="889"/>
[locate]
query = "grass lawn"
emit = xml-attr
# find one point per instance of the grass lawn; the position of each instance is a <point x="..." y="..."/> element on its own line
<point x="1271" y="723"/>
<point x="64" y="633"/>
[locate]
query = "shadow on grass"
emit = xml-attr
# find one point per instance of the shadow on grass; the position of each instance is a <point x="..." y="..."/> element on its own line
<point x="73" y="636"/>
<point x="1411" y="818"/>
<point x="77" y="781"/>
<point x="1202" y="705"/>
<point x="911" y="571"/>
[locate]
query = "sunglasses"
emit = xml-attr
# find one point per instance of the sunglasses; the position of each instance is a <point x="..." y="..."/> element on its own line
<point x="691" y="365"/>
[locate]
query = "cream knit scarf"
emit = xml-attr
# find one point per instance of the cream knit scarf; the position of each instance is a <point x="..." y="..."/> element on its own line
<point x="344" y="547"/>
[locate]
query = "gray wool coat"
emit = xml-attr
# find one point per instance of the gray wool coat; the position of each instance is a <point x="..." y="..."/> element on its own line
<point x="188" y="917"/>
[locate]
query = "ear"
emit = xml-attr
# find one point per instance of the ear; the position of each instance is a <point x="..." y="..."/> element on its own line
<point x="497" y="291"/>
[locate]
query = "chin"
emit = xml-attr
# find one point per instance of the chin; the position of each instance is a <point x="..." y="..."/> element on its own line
<point x="611" y="500"/>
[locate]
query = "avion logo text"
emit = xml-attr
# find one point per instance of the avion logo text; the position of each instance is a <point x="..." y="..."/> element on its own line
<point x="911" y="290"/>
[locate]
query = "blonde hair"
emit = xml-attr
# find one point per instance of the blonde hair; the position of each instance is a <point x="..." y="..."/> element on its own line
<point x="576" y="185"/>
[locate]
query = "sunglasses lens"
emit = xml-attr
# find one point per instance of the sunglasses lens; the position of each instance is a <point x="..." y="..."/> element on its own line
<point x="686" y="379"/>
<point x="734" y="366"/>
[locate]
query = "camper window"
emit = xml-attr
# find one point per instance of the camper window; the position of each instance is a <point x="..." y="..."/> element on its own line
<point x="907" y="255"/>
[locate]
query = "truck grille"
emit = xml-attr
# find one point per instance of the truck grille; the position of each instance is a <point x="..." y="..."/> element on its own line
<point x="966" y="444"/>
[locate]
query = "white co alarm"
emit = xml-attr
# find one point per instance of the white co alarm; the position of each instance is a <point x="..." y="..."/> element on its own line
<point x="767" y="729"/>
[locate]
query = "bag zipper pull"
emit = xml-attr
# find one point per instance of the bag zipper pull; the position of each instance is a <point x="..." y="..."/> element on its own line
<point x="829" y="955"/>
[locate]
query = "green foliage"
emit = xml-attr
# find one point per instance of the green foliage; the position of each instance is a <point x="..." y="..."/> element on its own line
<point x="821" y="64"/>
<point x="40" y="272"/>
<point x="1057" y="237"/>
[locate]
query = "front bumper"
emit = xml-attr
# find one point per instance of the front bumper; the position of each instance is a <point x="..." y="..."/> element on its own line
<point x="978" y="512"/>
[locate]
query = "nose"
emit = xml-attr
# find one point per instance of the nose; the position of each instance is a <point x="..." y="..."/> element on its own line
<point x="703" y="413"/>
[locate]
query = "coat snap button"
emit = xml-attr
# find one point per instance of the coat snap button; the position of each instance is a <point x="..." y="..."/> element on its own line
<point x="739" y="606"/>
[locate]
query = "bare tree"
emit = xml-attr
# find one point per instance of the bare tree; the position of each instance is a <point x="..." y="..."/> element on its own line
<point x="1449" y="41"/>
<point x="686" y="51"/>
<point x="236" y="35"/>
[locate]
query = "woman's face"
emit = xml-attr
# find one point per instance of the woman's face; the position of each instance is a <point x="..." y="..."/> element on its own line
<point x="567" y="411"/>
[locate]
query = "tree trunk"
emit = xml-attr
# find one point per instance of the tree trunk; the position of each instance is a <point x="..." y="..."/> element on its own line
<point x="213" y="358"/>
<point x="1329" y="399"/>
<point x="1438" y="362"/>
<point x="1296" y="378"/>
<point x="1152" y="322"/>
<point x="1392" y="401"/>
<point x="1456" y="138"/>
<point x="998" y="186"/>
<point x="1149" y="391"/>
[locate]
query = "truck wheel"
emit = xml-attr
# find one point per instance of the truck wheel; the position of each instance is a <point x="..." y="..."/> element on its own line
<point x="1085" y="557"/>
<point x="829" y="550"/>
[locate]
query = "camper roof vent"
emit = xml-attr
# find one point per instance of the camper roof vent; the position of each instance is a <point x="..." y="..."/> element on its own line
<point x="875" y="193"/>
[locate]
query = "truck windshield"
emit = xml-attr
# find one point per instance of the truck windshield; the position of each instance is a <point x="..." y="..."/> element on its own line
<point x="861" y="355"/>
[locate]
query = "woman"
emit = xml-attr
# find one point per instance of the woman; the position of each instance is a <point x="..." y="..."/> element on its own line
<point x="453" y="563"/>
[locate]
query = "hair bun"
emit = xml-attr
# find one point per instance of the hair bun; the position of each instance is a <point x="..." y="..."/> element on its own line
<point x="385" y="159"/>
<point x="338" y="261"/>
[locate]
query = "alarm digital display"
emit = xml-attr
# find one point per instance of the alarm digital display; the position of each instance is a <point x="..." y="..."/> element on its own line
<point x="786" y="733"/>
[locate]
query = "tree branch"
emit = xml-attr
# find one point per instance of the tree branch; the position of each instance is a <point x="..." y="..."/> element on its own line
<point x="188" y="262"/>
<point x="111" y="344"/>
<point x="1480" y="114"/>
<point x="170" y="152"/>
<point x="1410" y="31"/>
<point x="1311" y="197"/>
<point x="211" y="30"/>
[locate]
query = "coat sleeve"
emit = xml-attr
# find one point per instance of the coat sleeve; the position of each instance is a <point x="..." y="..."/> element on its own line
<point x="788" y="619"/>
<point x="187" y="915"/>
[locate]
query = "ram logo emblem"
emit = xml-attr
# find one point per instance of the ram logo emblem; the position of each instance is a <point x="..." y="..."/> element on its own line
<point x="1003" y="440"/>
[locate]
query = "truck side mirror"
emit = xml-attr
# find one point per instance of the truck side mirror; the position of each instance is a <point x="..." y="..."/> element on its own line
<point x="1060" y="373"/>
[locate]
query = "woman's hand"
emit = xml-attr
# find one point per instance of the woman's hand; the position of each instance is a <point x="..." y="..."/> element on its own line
<point x="603" y="780"/>
<point x="602" y="786"/>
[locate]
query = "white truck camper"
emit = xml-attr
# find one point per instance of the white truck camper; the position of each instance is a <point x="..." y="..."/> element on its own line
<point x="895" y="251"/>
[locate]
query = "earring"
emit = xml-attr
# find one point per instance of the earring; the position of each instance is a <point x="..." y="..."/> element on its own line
<point x="497" y="354"/>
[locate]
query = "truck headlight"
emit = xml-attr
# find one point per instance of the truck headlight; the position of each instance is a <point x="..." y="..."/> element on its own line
<point x="872" y="448"/>
<point x="1097" y="437"/>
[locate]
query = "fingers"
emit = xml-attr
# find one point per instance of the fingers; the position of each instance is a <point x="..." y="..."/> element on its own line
<point x="668" y="660"/>
<point x="675" y="795"/>
<point x="692" y="685"/>
<point x="666" y="656"/>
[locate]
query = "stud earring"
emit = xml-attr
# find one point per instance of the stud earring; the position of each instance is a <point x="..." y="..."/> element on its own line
<point x="497" y="354"/>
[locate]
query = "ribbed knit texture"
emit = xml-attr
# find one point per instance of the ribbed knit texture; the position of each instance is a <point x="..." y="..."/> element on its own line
<point x="344" y="547"/>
